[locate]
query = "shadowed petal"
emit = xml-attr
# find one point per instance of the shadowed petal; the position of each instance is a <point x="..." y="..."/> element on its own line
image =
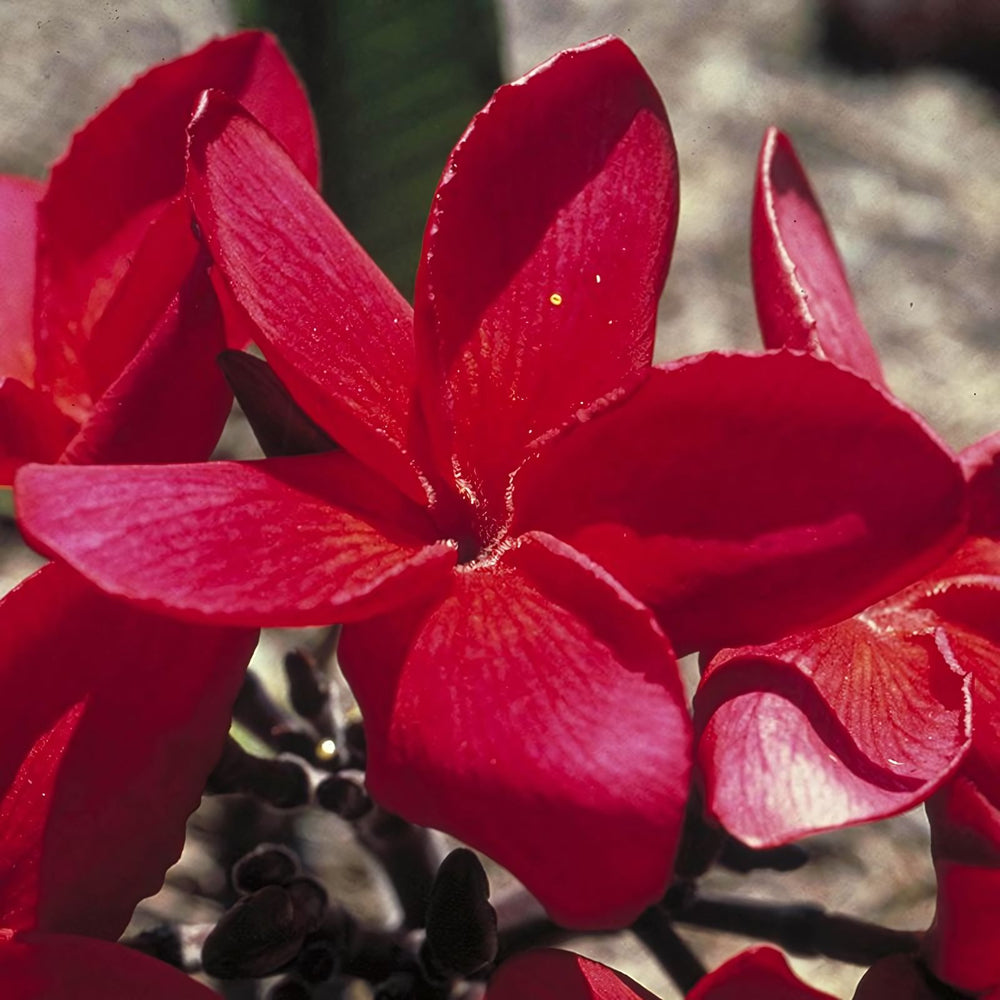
<point x="295" y="541"/>
<point x="551" y="974"/>
<point x="742" y="496"/>
<point x="169" y="402"/>
<point x="802" y="295"/>
<point x="18" y="208"/>
<point x="897" y="977"/>
<point x="65" y="967"/>
<point x="331" y="325"/>
<point x="116" y="716"/>
<point x="846" y="724"/>
<point x="279" y="424"/>
<point x="760" y="973"/>
<point x="545" y="253"/>
<point x="961" y="946"/>
<point x="536" y="713"/>
<point x="32" y="428"/>
<point x="120" y="170"/>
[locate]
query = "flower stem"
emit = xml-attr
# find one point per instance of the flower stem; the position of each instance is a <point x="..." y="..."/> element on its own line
<point x="655" y="930"/>
<point x="800" y="928"/>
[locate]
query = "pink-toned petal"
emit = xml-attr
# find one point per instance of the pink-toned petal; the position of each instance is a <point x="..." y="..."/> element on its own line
<point x="308" y="540"/>
<point x="332" y="326"/>
<point x="66" y="967"/>
<point x="545" y="253"/>
<point x="32" y="428"/>
<point x="742" y="497"/>
<point x="896" y="978"/>
<point x="170" y="402"/>
<point x="114" y="719"/>
<point x="278" y="422"/>
<point x="846" y="724"/>
<point x="961" y="946"/>
<point x="124" y="165"/>
<point x="760" y="973"/>
<point x="534" y="712"/>
<point x="551" y="974"/>
<point x="802" y="295"/>
<point x="18" y="208"/>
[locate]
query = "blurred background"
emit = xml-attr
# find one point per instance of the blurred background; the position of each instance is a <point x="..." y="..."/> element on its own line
<point x="892" y="105"/>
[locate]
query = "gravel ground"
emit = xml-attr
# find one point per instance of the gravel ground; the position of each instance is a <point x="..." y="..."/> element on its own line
<point x="906" y="167"/>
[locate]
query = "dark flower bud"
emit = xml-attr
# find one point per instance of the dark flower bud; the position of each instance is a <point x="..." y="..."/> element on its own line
<point x="355" y="743"/>
<point x="266" y="864"/>
<point x="259" y="935"/>
<point x="281" y="782"/>
<point x="344" y="793"/>
<point x="290" y="989"/>
<point x="461" y="923"/>
<point x="318" y="961"/>
<point x="308" y="689"/>
<point x="310" y="901"/>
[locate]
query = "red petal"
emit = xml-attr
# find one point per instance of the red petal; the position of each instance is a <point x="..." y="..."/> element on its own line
<point x="961" y="946"/>
<point x="535" y="713"/>
<point x="332" y="326"/>
<point x="803" y="298"/>
<point x="64" y="967"/>
<point x="18" y="207"/>
<point x="846" y="724"/>
<point x="981" y="463"/>
<point x="760" y="973"/>
<point x="126" y="163"/>
<point x="170" y="402"/>
<point x="546" y="249"/>
<point x="745" y="496"/>
<point x="114" y="719"/>
<point x="32" y="429"/>
<point x="550" y="974"/>
<point x="295" y="541"/>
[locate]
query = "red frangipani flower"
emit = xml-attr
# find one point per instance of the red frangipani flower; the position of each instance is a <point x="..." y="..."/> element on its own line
<point x="114" y="715"/>
<point x="114" y="718"/>
<point x="523" y="506"/>
<point x="866" y="717"/>
<point x="105" y="304"/>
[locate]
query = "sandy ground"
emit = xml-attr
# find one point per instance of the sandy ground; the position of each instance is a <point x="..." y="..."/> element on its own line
<point x="907" y="168"/>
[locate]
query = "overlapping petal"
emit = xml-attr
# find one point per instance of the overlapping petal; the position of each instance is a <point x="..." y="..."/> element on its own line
<point x="102" y="764"/>
<point x="800" y="288"/>
<point x="543" y="681"/>
<point x="544" y="256"/>
<point x="332" y="326"/>
<point x="66" y="967"/>
<point x="18" y="214"/>
<point x="777" y="490"/>
<point x="552" y="974"/>
<point x="169" y="402"/>
<point x="846" y="724"/>
<point x="290" y="541"/>
<point x="872" y="713"/>
<point x="122" y="168"/>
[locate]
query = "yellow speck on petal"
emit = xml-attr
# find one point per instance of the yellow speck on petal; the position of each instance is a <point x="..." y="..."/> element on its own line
<point x="556" y="299"/>
<point x="326" y="750"/>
